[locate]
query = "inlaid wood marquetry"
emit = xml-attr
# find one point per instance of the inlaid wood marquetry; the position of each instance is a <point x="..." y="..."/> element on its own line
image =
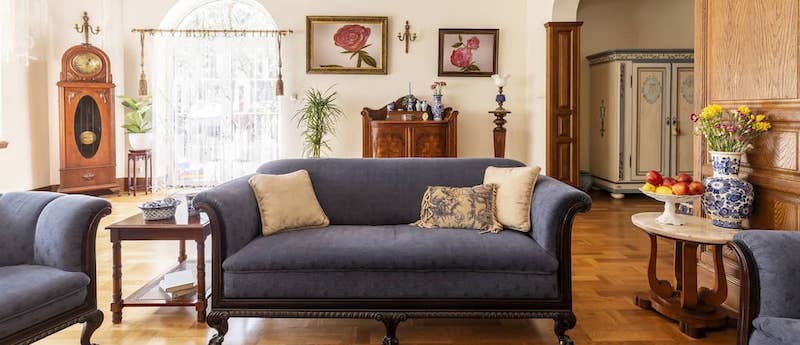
<point x="609" y="264"/>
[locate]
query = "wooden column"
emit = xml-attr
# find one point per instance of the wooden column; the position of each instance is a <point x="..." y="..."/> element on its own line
<point x="563" y="76"/>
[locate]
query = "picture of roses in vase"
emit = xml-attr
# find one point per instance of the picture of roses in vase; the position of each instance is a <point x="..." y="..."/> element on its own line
<point x="353" y="39"/>
<point x="468" y="52"/>
<point x="462" y="55"/>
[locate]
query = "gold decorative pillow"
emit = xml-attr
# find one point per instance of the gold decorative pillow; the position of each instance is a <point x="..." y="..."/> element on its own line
<point x="287" y="202"/>
<point x="514" y="192"/>
<point x="462" y="208"/>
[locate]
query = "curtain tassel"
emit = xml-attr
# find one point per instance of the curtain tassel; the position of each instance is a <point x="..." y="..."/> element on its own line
<point x="142" y="76"/>
<point x="279" y="83"/>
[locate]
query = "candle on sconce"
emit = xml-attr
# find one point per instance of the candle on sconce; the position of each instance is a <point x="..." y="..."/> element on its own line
<point x="409" y="88"/>
<point x="500" y="80"/>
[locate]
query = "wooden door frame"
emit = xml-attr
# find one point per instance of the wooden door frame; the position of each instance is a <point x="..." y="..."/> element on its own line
<point x="563" y="95"/>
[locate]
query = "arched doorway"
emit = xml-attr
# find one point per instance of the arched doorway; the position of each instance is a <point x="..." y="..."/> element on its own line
<point x="215" y="108"/>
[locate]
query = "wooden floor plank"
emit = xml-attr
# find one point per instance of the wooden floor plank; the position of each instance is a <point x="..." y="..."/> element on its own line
<point x="609" y="264"/>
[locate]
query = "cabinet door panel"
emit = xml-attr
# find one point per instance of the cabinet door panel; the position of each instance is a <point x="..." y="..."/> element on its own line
<point x="389" y="142"/>
<point x="650" y="108"/>
<point x="605" y="115"/>
<point x="429" y="141"/>
<point x="682" y="127"/>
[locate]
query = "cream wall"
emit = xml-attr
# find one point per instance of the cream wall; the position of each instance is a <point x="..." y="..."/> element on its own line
<point x="522" y="44"/>
<point x="628" y="24"/>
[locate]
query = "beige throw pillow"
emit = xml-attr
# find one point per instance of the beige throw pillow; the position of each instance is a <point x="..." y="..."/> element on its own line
<point x="460" y="208"/>
<point x="514" y="192"/>
<point x="287" y="202"/>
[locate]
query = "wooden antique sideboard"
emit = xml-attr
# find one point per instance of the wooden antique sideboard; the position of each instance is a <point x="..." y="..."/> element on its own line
<point x="386" y="134"/>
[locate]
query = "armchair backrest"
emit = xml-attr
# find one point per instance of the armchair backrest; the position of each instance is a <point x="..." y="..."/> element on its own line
<point x="19" y="213"/>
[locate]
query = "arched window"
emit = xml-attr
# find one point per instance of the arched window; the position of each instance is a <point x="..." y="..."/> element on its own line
<point x="214" y="104"/>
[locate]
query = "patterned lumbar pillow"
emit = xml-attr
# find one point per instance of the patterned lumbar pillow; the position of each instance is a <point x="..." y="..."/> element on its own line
<point x="463" y="208"/>
<point x="287" y="202"/>
<point x="514" y="192"/>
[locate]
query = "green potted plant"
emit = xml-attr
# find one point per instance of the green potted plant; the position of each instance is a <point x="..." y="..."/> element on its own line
<point x="138" y="122"/>
<point x="317" y="118"/>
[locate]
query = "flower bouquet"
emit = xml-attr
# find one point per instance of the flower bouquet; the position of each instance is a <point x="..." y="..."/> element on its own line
<point x="728" y="199"/>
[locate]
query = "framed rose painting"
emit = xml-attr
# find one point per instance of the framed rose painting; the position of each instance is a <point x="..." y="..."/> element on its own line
<point x="468" y="52"/>
<point x="346" y="45"/>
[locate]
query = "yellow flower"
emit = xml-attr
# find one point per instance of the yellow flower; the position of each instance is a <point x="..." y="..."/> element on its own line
<point x="744" y="110"/>
<point x="760" y="117"/>
<point x="762" y="126"/>
<point x="711" y="111"/>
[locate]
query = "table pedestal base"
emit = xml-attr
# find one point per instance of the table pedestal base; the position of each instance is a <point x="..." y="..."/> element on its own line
<point x="693" y="323"/>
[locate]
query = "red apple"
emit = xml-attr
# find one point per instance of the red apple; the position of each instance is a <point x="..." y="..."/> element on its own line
<point x="654" y="178"/>
<point x="696" y="188"/>
<point x="669" y="182"/>
<point x="683" y="177"/>
<point x="680" y="188"/>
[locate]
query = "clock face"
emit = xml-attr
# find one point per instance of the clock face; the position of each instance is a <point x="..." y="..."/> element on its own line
<point x="86" y="63"/>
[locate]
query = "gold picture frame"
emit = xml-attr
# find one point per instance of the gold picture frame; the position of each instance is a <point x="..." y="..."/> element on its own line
<point x="347" y="45"/>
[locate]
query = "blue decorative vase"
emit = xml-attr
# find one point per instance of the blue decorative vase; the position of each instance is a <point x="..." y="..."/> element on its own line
<point x="728" y="199"/>
<point x="437" y="108"/>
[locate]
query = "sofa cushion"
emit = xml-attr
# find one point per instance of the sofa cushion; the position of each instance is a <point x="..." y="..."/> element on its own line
<point x="460" y="207"/>
<point x="396" y="261"/>
<point x="514" y="194"/>
<point x="392" y="247"/>
<point x="382" y="191"/>
<point x="781" y="330"/>
<point x="31" y="293"/>
<point x="19" y="213"/>
<point x="287" y="202"/>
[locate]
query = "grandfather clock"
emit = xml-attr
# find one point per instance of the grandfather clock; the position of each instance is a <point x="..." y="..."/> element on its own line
<point x="86" y="114"/>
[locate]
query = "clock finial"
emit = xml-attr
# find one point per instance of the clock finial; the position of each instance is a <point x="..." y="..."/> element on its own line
<point x="86" y="29"/>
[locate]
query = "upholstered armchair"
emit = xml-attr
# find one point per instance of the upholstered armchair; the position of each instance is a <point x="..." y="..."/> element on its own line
<point x="47" y="264"/>
<point x="770" y="298"/>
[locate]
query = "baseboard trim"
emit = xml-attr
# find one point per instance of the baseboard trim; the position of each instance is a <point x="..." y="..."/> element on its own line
<point x="123" y="182"/>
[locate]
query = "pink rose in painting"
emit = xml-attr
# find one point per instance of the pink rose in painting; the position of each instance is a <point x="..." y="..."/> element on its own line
<point x="352" y="37"/>
<point x="473" y="43"/>
<point x="461" y="57"/>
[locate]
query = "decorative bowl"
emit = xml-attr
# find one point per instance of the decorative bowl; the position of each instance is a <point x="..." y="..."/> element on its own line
<point x="159" y="209"/>
<point x="670" y="217"/>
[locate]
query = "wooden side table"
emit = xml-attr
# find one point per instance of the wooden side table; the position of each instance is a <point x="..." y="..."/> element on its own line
<point x="133" y="159"/>
<point x="181" y="228"/>
<point x="695" y="310"/>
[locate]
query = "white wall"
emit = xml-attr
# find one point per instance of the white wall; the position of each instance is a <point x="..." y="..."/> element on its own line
<point x="628" y="24"/>
<point x="522" y="45"/>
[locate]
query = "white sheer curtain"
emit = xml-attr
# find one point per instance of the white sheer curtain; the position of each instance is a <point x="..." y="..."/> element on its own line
<point x="215" y="108"/>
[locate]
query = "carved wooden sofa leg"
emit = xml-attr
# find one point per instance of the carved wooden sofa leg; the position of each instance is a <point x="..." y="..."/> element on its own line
<point x="91" y="323"/>
<point x="564" y="322"/>
<point x="391" y="321"/>
<point x="219" y="321"/>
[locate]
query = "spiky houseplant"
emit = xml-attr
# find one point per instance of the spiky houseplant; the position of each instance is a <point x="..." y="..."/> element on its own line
<point x="317" y="118"/>
<point x="138" y="121"/>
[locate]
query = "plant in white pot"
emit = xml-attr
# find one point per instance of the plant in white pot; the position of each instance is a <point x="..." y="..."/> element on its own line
<point x="138" y="122"/>
<point x="317" y="119"/>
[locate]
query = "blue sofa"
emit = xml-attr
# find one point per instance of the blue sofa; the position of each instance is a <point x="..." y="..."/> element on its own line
<point x="47" y="264"/>
<point x="371" y="264"/>
<point x="770" y="298"/>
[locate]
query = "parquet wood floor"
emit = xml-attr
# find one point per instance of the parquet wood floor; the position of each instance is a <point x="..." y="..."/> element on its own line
<point x="609" y="264"/>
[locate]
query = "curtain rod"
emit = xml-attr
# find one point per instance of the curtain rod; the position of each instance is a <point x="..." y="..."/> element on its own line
<point x="213" y="32"/>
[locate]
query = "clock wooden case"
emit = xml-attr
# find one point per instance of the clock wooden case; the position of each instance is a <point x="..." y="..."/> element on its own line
<point x="86" y="114"/>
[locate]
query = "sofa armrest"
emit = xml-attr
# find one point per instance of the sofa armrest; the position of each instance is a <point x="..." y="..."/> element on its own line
<point x="233" y="212"/>
<point x="66" y="233"/>
<point x="553" y="208"/>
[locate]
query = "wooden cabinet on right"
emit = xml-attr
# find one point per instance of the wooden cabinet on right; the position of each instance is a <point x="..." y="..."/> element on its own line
<point x="640" y="102"/>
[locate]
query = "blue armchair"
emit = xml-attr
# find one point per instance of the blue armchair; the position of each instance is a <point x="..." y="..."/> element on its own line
<point x="770" y="299"/>
<point x="47" y="264"/>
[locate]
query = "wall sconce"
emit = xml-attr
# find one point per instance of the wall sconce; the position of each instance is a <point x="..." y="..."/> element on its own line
<point x="407" y="36"/>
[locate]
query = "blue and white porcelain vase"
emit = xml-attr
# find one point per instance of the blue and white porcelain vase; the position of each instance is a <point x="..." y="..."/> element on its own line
<point x="437" y="109"/>
<point x="728" y="199"/>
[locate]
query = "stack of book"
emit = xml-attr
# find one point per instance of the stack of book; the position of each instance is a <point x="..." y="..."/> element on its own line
<point x="179" y="284"/>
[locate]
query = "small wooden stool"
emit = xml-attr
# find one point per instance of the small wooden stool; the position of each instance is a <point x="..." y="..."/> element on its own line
<point x="133" y="158"/>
